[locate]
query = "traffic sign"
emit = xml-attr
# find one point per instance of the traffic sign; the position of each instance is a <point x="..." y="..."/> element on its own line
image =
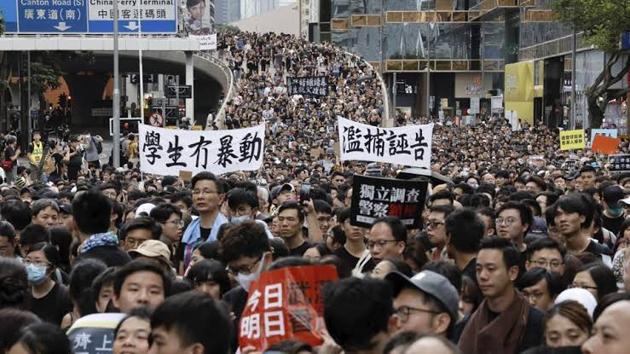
<point x="88" y="16"/>
<point x="178" y="91"/>
<point x="156" y="119"/>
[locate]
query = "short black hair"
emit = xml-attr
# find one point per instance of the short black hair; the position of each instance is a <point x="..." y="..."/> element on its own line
<point x="290" y="204"/>
<point x="545" y="243"/>
<point x="33" y="234"/>
<point x="444" y="195"/>
<point x="356" y="310"/>
<point x="196" y="318"/>
<point x="17" y="213"/>
<point x="399" y="231"/>
<point x="524" y="212"/>
<point x="44" y="338"/>
<point x="41" y="204"/>
<point x="587" y="168"/>
<point x="7" y="230"/>
<point x="466" y="229"/>
<point x="442" y="209"/>
<point x="449" y="271"/>
<point x="140" y="265"/>
<point x="511" y="256"/>
<point x="163" y="211"/>
<point x="603" y="277"/>
<point x="182" y="196"/>
<point x="14" y="287"/>
<point x="343" y="214"/>
<point x="577" y="203"/>
<point x="210" y="270"/>
<point x="80" y="284"/>
<point x="208" y="176"/>
<point x="322" y="207"/>
<point x="11" y="323"/>
<point x="141" y="222"/>
<point x="139" y="312"/>
<point x="92" y="211"/>
<point x="247" y="239"/>
<point x="239" y="196"/>
<point x="209" y="250"/>
<point x="555" y="285"/>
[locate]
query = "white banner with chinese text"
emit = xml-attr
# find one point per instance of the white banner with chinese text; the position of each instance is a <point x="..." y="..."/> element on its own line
<point x="166" y="152"/>
<point x="409" y="145"/>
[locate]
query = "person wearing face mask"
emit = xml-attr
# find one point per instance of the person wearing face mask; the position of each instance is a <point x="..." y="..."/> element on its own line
<point x="50" y="300"/>
<point x="247" y="253"/>
<point x="243" y="206"/>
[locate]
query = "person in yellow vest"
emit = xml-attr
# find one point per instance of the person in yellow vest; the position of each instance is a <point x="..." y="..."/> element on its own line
<point x="35" y="155"/>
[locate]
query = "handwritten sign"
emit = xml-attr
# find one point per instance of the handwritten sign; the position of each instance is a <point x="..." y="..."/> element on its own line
<point x="308" y="86"/>
<point x="166" y="152"/>
<point x="374" y="198"/>
<point x="572" y="139"/>
<point x="285" y="304"/>
<point x="606" y="145"/>
<point x="409" y="145"/>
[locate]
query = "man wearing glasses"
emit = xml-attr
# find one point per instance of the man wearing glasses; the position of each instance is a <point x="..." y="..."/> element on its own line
<point x="546" y="253"/>
<point x="387" y="239"/>
<point x="513" y="221"/>
<point x="427" y="303"/>
<point x="436" y="231"/>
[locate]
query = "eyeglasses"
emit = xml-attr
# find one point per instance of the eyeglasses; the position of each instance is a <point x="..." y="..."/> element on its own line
<point x="132" y="242"/>
<point x="404" y="312"/>
<point x="179" y="223"/>
<point x="379" y="243"/>
<point x="245" y="269"/>
<point x="582" y="286"/>
<point x="506" y="221"/>
<point x="543" y="263"/>
<point x="434" y="224"/>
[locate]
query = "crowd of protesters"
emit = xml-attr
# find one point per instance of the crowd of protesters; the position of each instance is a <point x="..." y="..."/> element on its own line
<point x="522" y="249"/>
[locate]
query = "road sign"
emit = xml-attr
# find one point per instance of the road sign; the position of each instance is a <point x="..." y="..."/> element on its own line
<point x="88" y="16"/>
<point x="178" y="91"/>
<point x="156" y="119"/>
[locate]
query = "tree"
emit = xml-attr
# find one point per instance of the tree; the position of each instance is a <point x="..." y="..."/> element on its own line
<point x="602" y="23"/>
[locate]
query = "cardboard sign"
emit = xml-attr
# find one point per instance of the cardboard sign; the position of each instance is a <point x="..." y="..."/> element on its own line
<point x="605" y="145"/>
<point x="619" y="163"/>
<point x="374" y="198"/>
<point x="185" y="176"/>
<point x="285" y="304"/>
<point x="572" y="139"/>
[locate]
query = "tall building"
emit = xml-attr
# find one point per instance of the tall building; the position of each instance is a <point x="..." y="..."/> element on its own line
<point x="443" y="56"/>
<point x="250" y="8"/>
<point x="227" y="11"/>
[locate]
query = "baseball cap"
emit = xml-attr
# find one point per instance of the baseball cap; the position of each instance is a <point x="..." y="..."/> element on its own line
<point x="275" y="191"/>
<point x="153" y="249"/>
<point x="430" y="283"/>
<point x="65" y="208"/>
<point x="145" y="208"/>
<point x="612" y="195"/>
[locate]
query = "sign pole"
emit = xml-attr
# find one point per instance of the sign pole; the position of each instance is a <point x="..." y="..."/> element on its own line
<point x="141" y="100"/>
<point x="116" y="98"/>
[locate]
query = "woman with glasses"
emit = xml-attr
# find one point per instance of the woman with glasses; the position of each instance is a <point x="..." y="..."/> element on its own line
<point x="50" y="300"/>
<point x="598" y="279"/>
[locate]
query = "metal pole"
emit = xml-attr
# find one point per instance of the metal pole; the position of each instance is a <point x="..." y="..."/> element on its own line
<point x="141" y="100"/>
<point x="28" y="97"/>
<point x="116" y="98"/>
<point x="573" y="69"/>
<point x="429" y="71"/>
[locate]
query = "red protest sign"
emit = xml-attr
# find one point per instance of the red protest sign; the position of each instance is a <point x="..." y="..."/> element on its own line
<point x="285" y="304"/>
<point x="605" y="145"/>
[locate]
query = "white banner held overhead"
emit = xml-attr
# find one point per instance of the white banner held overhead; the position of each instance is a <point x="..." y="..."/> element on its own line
<point x="409" y="145"/>
<point x="166" y="152"/>
<point x="207" y="42"/>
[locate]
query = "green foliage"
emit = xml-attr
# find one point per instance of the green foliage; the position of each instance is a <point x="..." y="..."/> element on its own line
<point x="602" y="21"/>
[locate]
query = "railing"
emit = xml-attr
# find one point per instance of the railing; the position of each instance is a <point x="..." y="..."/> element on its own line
<point x="218" y="118"/>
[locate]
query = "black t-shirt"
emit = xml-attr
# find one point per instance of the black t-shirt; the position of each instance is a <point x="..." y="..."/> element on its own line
<point x="204" y="233"/>
<point x="299" y="250"/>
<point x="613" y="224"/>
<point x="471" y="270"/>
<point x="348" y="261"/>
<point x="52" y="307"/>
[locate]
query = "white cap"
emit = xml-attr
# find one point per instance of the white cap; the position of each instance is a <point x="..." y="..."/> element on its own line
<point x="145" y="208"/>
<point x="583" y="296"/>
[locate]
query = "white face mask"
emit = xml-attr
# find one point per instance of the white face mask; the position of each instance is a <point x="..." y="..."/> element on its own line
<point x="245" y="280"/>
<point x="237" y="220"/>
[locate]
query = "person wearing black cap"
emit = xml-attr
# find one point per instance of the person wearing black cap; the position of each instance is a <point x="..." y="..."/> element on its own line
<point x="281" y="194"/>
<point x="427" y="303"/>
<point x="614" y="214"/>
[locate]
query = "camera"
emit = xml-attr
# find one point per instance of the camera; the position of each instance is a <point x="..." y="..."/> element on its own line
<point x="305" y="192"/>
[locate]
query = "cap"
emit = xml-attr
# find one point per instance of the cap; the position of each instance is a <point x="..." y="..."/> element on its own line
<point x="612" y="195"/>
<point x="65" y="208"/>
<point x="275" y="191"/>
<point x="430" y="283"/>
<point x="145" y="208"/>
<point x="583" y="296"/>
<point x="153" y="249"/>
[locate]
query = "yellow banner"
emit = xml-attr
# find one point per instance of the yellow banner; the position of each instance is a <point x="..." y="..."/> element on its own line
<point x="572" y="139"/>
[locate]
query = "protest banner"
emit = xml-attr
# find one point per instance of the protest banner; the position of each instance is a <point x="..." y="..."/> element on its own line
<point x="283" y="304"/>
<point x="605" y="145"/>
<point x="316" y="86"/>
<point x="572" y="139"/>
<point x="409" y="145"/>
<point x="207" y="42"/>
<point x="166" y="152"/>
<point x="94" y="334"/>
<point x="374" y="198"/>
<point x="619" y="163"/>
<point x="612" y="133"/>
